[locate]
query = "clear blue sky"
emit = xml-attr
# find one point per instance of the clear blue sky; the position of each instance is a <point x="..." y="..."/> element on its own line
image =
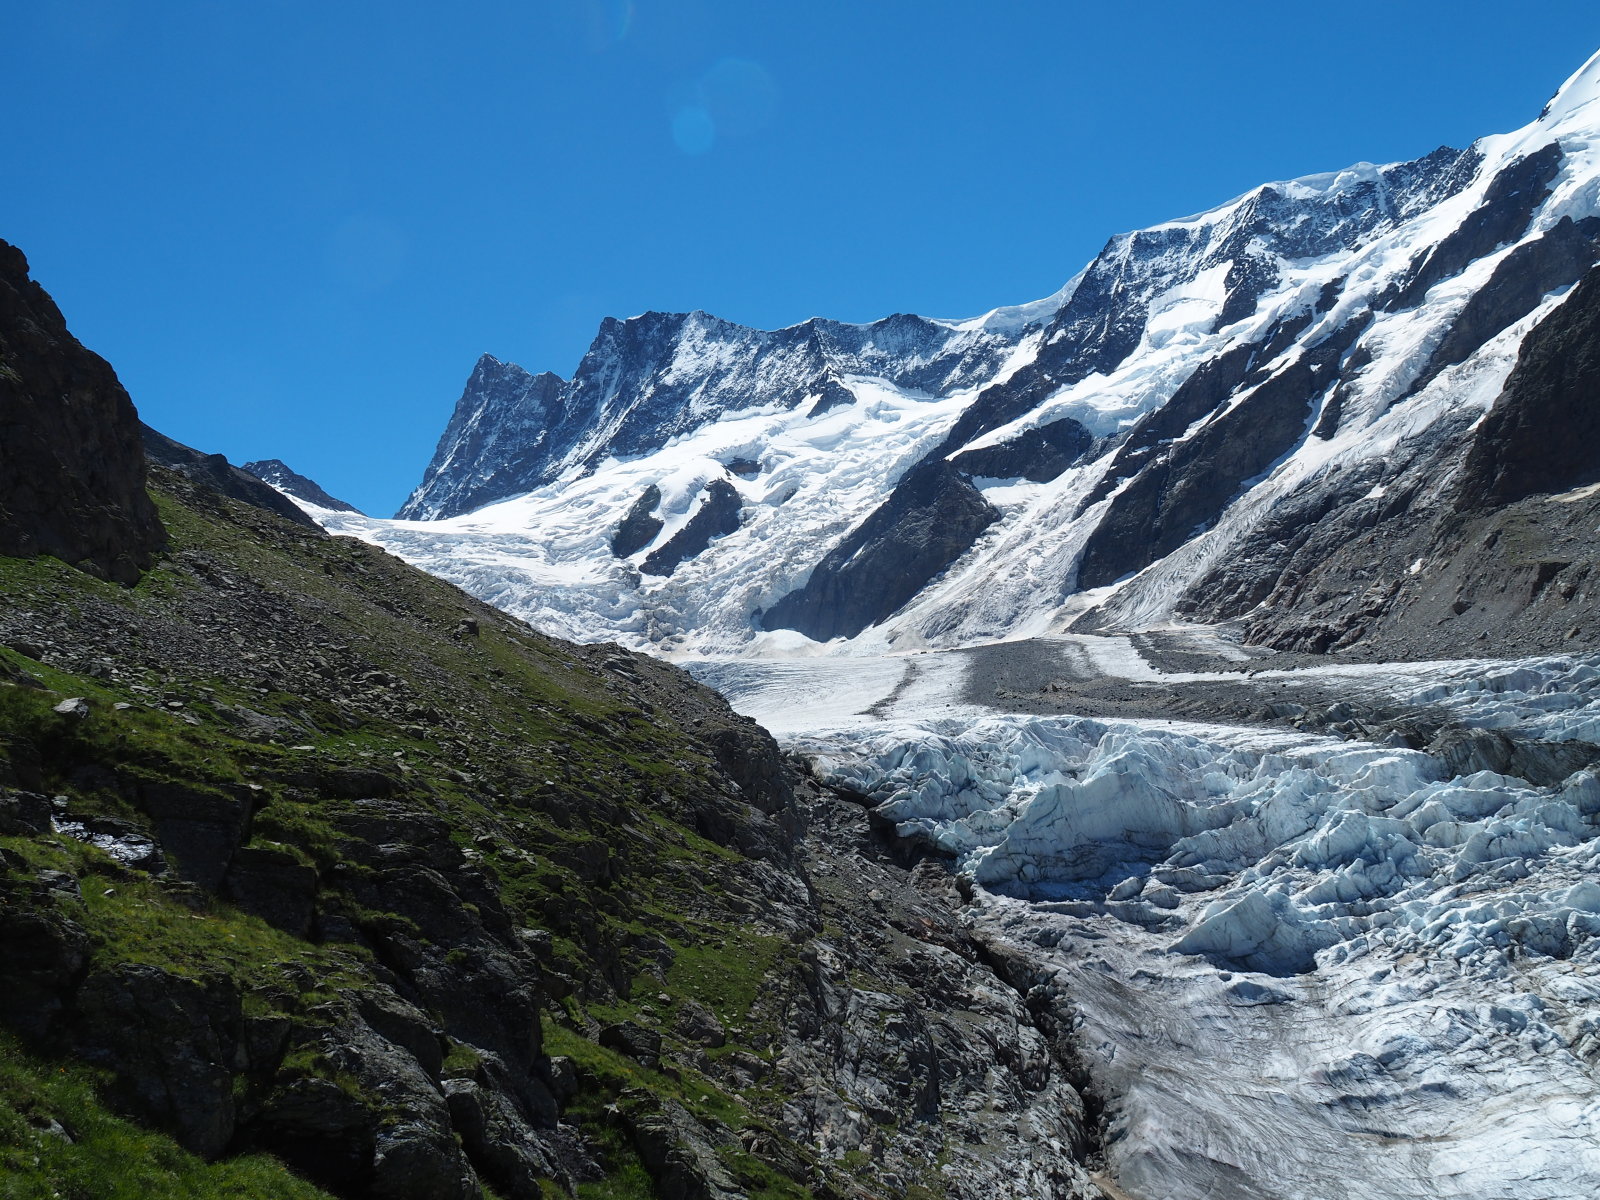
<point x="293" y="227"/>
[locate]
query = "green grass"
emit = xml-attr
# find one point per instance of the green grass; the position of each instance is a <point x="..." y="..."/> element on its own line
<point x="727" y="978"/>
<point x="131" y="918"/>
<point x="482" y="723"/>
<point x="626" y="1177"/>
<point x="107" y="1158"/>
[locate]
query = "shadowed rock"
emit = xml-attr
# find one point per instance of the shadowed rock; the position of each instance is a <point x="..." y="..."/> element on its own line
<point x="932" y="518"/>
<point x="719" y="515"/>
<point x="217" y="473"/>
<point x="1038" y="455"/>
<point x="639" y="528"/>
<point x="1543" y="434"/>
<point x="72" y="470"/>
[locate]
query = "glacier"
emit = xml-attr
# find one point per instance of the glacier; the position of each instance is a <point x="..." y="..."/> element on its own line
<point x="1302" y="967"/>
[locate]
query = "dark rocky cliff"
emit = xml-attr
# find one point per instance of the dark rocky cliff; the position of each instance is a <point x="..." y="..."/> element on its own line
<point x="1500" y="560"/>
<point x="932" y="518"/>
<point x="71" y="462"/>
<point x="1543" y="436"/>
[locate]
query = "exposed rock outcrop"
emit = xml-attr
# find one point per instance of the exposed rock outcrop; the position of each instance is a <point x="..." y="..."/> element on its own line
<point x="640" y="526"/>
<point x="1186" y="488"/>
<point x="1503" y="561"/>
<point x="932" y="517"/>
<point x="717" y="516"/>
<point x="1039" y="454"/>
<point x="500" y="424"/>
<point x="1543" y="435"/>
<point x="72" y="470"/>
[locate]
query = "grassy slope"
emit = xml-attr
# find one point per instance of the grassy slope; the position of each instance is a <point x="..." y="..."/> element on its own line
<point x="573" y="788"/>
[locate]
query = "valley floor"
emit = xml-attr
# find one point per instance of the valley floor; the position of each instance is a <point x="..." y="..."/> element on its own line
<point x="1331" y="931"/>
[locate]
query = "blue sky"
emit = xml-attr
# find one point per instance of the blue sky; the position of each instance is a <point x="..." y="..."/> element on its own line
<point x="293" y="227"/>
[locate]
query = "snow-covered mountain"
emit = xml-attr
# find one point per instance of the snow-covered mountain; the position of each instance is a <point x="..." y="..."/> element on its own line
<point x="656" y="377"/>
<point x="1299" y="410"/>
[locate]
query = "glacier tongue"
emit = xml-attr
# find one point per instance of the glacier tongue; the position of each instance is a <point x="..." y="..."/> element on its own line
<point x="1302" y="967"/>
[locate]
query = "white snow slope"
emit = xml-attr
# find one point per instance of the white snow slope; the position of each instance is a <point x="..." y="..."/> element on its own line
<point x="546" y="555"/>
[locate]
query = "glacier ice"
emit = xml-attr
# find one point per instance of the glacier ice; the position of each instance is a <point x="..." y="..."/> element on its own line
<point x="1301" y="967"/>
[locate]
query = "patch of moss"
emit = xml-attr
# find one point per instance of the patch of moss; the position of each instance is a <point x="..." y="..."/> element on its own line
<point x="727" y="976"/>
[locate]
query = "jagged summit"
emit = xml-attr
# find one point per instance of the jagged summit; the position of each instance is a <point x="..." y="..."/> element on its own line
<point x="501" y="416"/>
<point x="278" y="473"/>
<point x="1205" y="423"/>
<point x="651" y="378"/>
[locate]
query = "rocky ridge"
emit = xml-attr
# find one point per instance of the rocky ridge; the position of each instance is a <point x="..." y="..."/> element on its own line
<point x="652" y="377"/>
<point x="71" y="463"/>
<point x="279" y="474"/>
<point x="321" y="863"/>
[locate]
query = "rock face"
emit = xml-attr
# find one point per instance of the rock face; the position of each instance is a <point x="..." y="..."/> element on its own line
<point x="1184" y="490"/>
<point x="1543" y="435"/>
<point x="928" y="522"/>
<point x="280" y="476"/>
<point x="1038" y="455"/>
<point x="639" y="528"/>
<point x="717" y="516"/>
<point x="500" y="426"/>
<point x="1499" y="560"/>
<point x="71" y="464"/>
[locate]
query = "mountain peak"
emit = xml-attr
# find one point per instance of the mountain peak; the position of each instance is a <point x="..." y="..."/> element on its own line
<point x="502" y="405"/>
<point x="1577" y="94"/>
<point x="278" y="474"/>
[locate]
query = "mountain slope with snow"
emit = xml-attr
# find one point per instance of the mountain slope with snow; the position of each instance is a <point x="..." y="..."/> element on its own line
<point x="1244" y="415"/>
